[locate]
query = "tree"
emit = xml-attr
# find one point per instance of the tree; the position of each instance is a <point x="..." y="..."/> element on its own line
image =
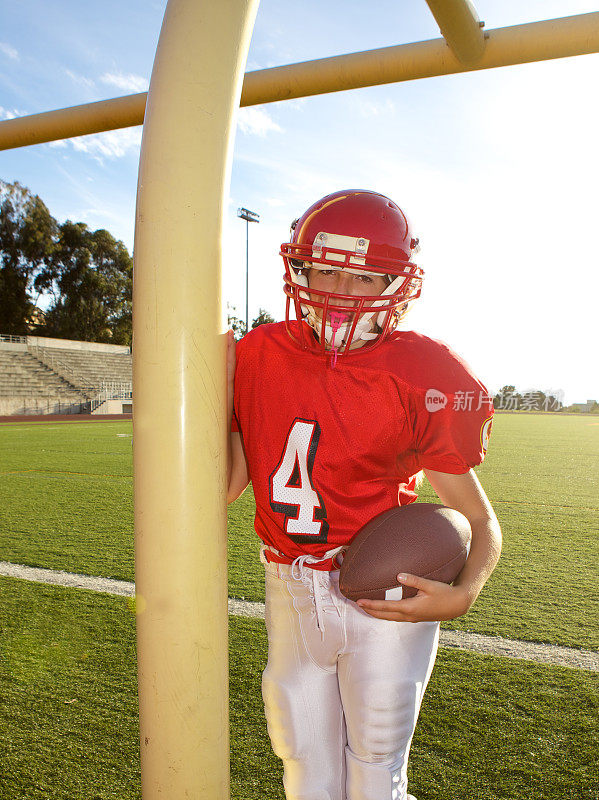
<point x="237" y="325"/>
<point x="263" y="318"/>
<point x="90" y="276"/>
<point x="27" y="236"/>
<point x="508" y="399"/>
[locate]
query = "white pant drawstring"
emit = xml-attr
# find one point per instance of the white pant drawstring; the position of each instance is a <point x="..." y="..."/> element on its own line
<point x="314" y="579"/>
<point x="315" y="583"/>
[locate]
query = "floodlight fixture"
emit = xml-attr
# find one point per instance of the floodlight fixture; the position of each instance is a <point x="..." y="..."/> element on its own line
<point x="248" y="216"/>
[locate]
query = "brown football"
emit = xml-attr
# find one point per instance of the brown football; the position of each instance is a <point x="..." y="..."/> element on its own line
<point x="425" y="539"/>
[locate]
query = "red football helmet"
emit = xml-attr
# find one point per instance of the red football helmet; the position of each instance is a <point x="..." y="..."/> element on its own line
<point x="359" y="232"/>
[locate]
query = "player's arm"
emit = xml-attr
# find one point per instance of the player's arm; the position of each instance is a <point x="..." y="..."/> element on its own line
<point x="465" y="494"/>
<point x="440" y="601"/>
<point x="237" y="469"/>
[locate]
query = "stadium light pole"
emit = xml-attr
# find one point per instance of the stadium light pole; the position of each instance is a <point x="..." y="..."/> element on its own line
<point x="248" y="216"/>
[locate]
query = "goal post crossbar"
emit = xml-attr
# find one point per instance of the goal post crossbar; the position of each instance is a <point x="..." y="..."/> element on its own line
<point x="518" y="44"/>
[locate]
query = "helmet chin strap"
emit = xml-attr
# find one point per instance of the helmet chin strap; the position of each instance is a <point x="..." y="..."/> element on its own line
<point x="380" y="320"/>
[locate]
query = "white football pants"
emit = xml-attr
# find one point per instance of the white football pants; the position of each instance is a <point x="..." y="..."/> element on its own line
<point x="342" y="690"/>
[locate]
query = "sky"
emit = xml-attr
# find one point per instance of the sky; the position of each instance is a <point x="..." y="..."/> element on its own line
<point x="497" y="170"/>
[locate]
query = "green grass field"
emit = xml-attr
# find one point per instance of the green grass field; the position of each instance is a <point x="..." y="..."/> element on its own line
<point x="491" y="728"/>
<point x="66" y="503"/>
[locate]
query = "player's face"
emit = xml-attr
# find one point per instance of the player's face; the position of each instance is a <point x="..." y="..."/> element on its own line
<point x="350" y="284"/>
<point x="338" y="281"/>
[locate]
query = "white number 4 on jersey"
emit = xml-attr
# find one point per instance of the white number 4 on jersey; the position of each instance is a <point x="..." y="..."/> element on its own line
<point x="291" y="490"/>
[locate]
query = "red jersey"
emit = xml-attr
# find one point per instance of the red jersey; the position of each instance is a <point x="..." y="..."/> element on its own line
<point x="330" y="448"/>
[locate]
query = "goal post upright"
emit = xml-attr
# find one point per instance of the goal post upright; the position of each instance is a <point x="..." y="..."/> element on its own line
<point x="180" y="424"/>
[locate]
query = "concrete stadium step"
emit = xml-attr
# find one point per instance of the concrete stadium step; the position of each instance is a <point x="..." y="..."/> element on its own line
<point x="23" y="375"/>
<point x="91" y="368"/>
<point x="73" y="371"/>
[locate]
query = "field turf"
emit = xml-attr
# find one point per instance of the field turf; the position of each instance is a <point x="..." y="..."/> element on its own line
<point x="66" y="503"/>
<point x="490" y="728"/>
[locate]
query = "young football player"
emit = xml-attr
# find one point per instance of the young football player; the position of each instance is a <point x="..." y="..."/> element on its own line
<point x="334" y="415"/>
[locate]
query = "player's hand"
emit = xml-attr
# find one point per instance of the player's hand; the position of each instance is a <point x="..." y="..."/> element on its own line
<point x="435" y="601"/>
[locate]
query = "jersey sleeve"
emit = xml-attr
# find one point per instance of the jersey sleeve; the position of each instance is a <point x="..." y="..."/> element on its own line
<point x="451" y="418"/>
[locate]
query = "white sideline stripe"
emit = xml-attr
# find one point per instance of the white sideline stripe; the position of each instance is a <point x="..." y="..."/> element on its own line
<point x="494" y="645"/>
<point x="71" y="579"/>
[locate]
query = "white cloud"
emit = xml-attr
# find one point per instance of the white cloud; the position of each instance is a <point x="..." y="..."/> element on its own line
<point x="128" y="83"/>
<point x="80" y="79"/>
<point x="11" y="113"/>
<point x="369" y="108"/>
<point x="9" y="51"/>
<point x="110" y="145"/>
<point x="59" y="143"/>
<point x="297" y="103"/>
<point x="256" y="121"/>
<point x="84" y="201"/>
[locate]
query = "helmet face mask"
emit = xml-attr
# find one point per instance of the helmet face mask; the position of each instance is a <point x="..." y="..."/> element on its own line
<point x="361" y="233"/>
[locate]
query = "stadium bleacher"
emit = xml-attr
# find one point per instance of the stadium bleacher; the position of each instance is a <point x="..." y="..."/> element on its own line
<point x="45" y="376"/>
